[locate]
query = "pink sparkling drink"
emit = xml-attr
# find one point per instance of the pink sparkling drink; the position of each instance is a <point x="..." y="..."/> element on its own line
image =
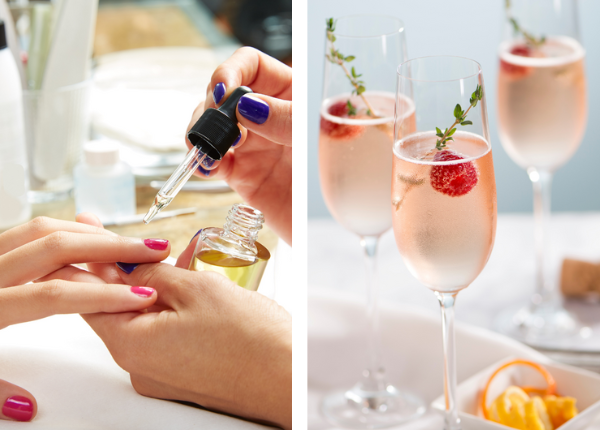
<point x="444" y="208"/>
<point x="542" y="105"/>
<point x="355" y="159"/>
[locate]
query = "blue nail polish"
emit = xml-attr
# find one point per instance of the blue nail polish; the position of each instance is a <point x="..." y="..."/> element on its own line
<point x="203" y="170"/>
<point x="196" y="235"/>
<point x="253" y="109"/>
<point x="208" y="162"/>
<point x="237" y="140"/>
<point x="127" y="267"/>
<point x="219" y="92"/>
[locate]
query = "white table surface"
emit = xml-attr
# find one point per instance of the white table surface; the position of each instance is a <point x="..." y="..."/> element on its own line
<point x="77" y="384"/>
<point x="335" y="261"/>
<point x="336" y="268"/>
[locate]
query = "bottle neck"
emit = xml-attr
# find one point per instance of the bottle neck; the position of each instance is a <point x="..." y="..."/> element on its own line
<point x="242" y="224"/>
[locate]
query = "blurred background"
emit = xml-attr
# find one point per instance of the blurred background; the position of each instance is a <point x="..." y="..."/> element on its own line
<point x="128" y="74"/>
<point x="473" y="29"/>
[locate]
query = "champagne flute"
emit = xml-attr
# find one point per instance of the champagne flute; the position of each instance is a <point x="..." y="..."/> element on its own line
<point x="355" y="160"/>
<point x="443" y="187"/>
<point x="542" y="112"/>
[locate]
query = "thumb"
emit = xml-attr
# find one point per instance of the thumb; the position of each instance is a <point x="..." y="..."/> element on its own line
<point x="17" y="404"/>
<point x="266" y="116"/>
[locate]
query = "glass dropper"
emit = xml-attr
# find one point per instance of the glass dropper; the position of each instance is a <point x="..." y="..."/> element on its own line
<point x="212" y="136"/>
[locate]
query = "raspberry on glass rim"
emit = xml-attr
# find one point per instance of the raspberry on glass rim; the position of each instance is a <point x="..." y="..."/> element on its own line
<point x="340" y="131"/>
<point x="453" y="179"/>
<point x="513" y="69"/>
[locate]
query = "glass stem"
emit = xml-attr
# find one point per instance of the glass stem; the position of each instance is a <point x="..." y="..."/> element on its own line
<point x="447" y="301"/>
<point x="544" y="293"/>
<point x="373" y="376"/>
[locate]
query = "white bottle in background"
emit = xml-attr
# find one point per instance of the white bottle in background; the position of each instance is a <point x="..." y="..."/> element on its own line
<point x="104" y="185"/>
<point x="14" y="181"/>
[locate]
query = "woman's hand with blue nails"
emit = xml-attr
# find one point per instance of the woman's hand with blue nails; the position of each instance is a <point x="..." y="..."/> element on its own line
<point x="259" y="168"/>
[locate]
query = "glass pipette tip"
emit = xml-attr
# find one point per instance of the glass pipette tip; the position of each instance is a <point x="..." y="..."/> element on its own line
<point x="174" y="184"/>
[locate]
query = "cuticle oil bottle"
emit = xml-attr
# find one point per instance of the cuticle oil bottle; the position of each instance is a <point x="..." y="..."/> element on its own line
<point x="233" y="250"/>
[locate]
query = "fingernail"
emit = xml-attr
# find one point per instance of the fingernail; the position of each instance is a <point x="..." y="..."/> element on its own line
<point x="253" y="109"/>
<point x="196" y="235"/>
<point x="237" y="140"/>
<point x="203" y="170"/>
<point x="127" y="267"/>
<point x="208" y="163"/>
<point x="18" y="408"/>
<point x="219" y="92"/>
<point x="156" y="244"/>
<point x="142" y="291"/>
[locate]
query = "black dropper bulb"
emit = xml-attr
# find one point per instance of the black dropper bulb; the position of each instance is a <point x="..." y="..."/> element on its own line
<point x="217" y="129"/>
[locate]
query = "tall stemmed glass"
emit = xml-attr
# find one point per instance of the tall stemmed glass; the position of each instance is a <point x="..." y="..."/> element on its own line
<point x="355" y="159"/>
<point x="443" y="187"/>
<point x="542" y="112"/>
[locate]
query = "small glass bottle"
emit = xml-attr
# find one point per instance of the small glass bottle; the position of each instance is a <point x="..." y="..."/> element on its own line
<point x="233" y="250"/>
<point x="104" y="184"/>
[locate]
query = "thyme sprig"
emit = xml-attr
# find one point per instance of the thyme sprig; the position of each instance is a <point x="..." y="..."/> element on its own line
<point x="336" y="57"/>
<point x="460" y="118"/>
<point x="529" y="38"/>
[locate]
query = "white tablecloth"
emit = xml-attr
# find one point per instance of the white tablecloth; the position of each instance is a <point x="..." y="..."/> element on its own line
<point x="409" y="310"/>
<point x="335" y="261"/>
<point x="77" y="384"/>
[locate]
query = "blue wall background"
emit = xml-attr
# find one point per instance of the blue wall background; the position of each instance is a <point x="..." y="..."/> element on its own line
<point x="468" y="28"/>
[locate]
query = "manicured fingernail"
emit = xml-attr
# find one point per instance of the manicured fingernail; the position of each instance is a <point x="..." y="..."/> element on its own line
<point x="203" y="170"/>
<point x="196" y="235"/>
<point x="127" y="267"/>
<point x="208" y="163"/>
<point x="18" y="408"/>
<point x="142" y="291"/>
<point x="219" y="92"/>
<point x="237" y="140"/>
<point x="156" y="244"/>
<point x="253" y="109"/>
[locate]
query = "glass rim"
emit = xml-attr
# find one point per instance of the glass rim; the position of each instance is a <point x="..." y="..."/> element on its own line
<point x="400" y="28"/>
<point x="403" y="76"/>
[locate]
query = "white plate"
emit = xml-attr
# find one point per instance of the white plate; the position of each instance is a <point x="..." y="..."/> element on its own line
<point x="570" y="381"/>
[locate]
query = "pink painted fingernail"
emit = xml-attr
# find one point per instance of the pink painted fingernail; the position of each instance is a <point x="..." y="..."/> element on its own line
<point x="142" y="291"/>
<point x="156" y="244"/>
<point x="18" y="408"/>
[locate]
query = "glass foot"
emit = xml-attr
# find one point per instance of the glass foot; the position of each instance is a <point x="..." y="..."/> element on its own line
<point x="360" y="409"/>
<point x="550" y="327"/>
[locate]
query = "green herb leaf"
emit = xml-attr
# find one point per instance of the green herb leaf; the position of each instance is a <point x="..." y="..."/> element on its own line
<point x="460" y="118"/>
<point x="361" y="89"/>
<point x="349" y="58"/>
<point x="351" y="108"/>
<point x="457" y="111"/>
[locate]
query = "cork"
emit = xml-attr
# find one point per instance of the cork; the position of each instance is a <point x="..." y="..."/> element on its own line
<point x="579" y="278"/>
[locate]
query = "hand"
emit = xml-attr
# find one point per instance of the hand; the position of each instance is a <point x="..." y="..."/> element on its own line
<point x="42" y="251"/>
<point x="211" y="342"/>
<point x="260" y="166"/>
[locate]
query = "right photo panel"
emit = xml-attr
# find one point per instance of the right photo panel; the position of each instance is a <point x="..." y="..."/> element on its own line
<point x="453" y="215"/>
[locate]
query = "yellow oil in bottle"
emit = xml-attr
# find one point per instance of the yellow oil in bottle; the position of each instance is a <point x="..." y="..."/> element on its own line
<point x="246" y="273"/>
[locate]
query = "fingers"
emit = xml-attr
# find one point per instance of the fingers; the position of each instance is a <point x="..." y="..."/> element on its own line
<point x="41" y="227"/>
<point x="266" y="116"/>
<point x="34" y="301"/>
<point x="106" y="271"/>
<point x="183" y="261"/>
<point x="252" y="68"/>
<point x="43" y="256"/>
<point x="17" y="404"/>
<point x="178" y="288"/>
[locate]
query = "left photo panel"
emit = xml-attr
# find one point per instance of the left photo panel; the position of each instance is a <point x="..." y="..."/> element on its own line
<point x="146" y="214"/>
